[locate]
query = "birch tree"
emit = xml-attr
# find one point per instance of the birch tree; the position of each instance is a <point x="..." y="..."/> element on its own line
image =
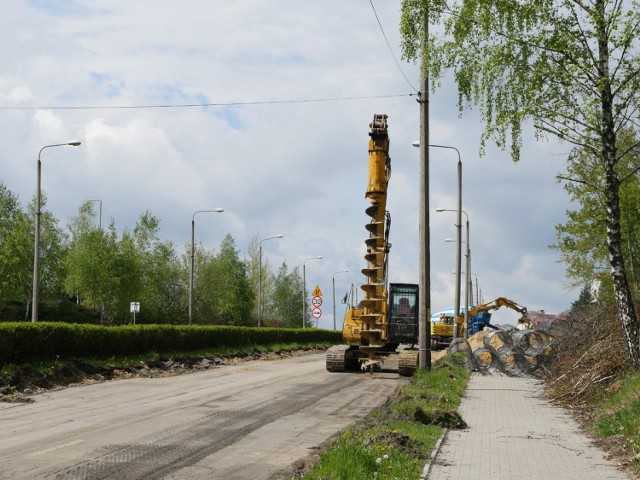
<point x="570" y="67"/>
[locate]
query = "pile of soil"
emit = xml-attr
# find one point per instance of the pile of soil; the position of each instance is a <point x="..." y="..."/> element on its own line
<point x="19" y="382"/>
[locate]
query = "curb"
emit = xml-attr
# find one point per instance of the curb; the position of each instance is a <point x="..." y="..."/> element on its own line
<point x="436" y="449"/>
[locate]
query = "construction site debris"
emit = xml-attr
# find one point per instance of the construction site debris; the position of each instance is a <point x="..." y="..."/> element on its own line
<point x="506" y="350"/>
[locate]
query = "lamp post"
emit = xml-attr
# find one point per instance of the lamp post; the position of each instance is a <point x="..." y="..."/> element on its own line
<point x="458" y="226"/>
<point x="260" y="313"/>
<point x="193" y="254"/>
<point x="100" y="210"/>
<point x="424" y="332"/>
<point x="304" y="286"/>
<point x="471" y="298"/>
<point x="333" y="281"/>
<point x="458" y="270"/>
<point x="36" y="250"/>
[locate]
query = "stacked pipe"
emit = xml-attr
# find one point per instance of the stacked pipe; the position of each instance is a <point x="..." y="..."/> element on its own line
<point x="512" y="352"/>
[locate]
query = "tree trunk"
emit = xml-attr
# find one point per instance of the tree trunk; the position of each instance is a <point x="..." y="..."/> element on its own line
<point x="621" y="290"/>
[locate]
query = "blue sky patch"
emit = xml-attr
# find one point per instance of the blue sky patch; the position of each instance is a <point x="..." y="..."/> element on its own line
<point x="59" y="7"/>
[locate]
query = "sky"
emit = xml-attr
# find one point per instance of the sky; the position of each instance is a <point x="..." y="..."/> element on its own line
<point x="282" y="144"/>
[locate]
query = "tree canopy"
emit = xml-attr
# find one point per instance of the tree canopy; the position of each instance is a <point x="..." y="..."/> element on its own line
<point x="571" y="68"/>
<point x="101" y="271"/>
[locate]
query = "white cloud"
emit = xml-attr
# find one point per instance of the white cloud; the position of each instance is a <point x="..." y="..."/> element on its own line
<point x="17" y="95"/>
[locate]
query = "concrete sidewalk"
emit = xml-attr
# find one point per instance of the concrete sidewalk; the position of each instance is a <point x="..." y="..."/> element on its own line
<point x="515" y="434"/>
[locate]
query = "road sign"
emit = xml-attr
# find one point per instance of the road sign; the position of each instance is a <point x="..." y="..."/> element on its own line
<point x="316" y="301"/>
<point x="317" y="292"/>
<point x="316" y="312"/>
<point x="135" y="308"/>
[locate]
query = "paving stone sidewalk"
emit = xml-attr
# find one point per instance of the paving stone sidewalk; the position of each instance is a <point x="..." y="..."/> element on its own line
<point x="513" y="433"/>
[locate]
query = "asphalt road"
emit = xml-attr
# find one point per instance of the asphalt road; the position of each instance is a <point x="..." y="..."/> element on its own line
<point x="252" y="421"/>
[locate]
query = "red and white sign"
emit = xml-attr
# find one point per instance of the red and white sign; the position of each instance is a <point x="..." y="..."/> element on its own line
<point x="316" y="301"/>
<point x="316" y="312"/>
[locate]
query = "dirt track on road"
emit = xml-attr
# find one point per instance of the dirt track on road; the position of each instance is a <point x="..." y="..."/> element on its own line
<point x="256" y="420"/>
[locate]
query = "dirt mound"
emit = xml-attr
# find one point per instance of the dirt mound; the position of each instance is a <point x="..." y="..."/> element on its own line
<point x="17" y="382"/>
<point x="442" y="418"/>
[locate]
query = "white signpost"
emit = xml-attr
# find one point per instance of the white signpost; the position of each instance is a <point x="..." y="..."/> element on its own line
<point x="135" y="308"/>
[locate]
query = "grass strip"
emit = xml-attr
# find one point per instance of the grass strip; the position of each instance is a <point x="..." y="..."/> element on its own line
<point x="396" y="440"/>
<point x="619" y="415"/>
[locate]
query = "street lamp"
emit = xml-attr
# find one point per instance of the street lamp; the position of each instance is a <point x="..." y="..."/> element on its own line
<point x="424" y="332"/>
<point x="260" y="313"/>
<point x="471" y="297"/>
<point x="100" y="215"/>
<point x="459" y="227"/>
<point x="193" y="254"/>
<point x="304" y="286"/>
<point x="333" y="280"/>
<point x="468" y="271"/>
<point x="36" y="250"/>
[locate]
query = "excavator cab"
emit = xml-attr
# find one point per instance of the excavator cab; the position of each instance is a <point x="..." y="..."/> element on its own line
<point x="402" y="326"/>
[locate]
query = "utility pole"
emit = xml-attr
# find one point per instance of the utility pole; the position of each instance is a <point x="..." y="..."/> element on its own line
<point x="458" y="250"/>
<point x="424" y="301"/>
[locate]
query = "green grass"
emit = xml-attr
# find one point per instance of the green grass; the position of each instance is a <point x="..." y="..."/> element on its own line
<point x="620" y="415"/>
<point x="390" y="443"/>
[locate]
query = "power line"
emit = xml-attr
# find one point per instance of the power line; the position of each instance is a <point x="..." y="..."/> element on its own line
<point x="200" y="105"/>
<point x="389" y="46"/>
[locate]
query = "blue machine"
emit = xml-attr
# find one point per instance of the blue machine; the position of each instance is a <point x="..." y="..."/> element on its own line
<point x="476" y="323"/>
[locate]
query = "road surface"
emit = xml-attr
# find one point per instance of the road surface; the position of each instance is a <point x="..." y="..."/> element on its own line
<point x="252" y="421"/>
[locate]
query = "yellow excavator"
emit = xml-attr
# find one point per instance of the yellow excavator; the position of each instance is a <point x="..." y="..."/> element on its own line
<point x="387" y="317"/>
<point x="442" y="324"/>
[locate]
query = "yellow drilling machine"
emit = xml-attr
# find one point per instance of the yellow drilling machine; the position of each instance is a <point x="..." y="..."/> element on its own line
<point x="385" y="322"/>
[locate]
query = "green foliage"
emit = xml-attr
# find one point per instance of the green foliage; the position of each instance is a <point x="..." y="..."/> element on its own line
<point x="164" y="290"/>
<point x="531" y="59"/>
<point x="345" y="461"/>
<point x="225" y="290"/>
<point x="582" y="239"/>
<point x="620" y="415"/>
<point x="53" y="249"/>
<point x="103" y="271"/>
<point x="107" y="273"/>
<point x="47" y="341"/>
<point x="16" y="250"/>
<point x="285" y="304"/>
<point x="90" y="268"/>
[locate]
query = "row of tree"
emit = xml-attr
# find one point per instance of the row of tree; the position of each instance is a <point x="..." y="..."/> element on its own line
<point x="93" y="274"/>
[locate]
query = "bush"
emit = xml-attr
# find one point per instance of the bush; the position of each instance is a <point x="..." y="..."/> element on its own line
<point x="46" y="341"/>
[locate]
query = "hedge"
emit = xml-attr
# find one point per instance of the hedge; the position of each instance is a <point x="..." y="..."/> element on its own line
<point x="44" y="341"/>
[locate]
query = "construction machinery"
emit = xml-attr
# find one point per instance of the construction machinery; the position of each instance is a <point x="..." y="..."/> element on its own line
<point x="442" y="324"/>
<point x="387" y="317"/>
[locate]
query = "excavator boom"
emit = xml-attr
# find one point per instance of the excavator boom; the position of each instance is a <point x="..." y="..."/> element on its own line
<point x="377" y="327"/>
<point x="442" y="330"/>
